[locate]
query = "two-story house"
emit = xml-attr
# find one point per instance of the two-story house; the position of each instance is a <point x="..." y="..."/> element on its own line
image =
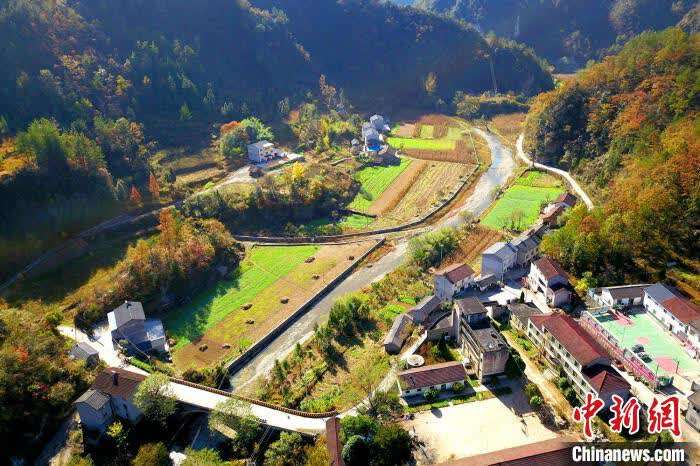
<point x="450" y="280"/>
<point x="549" y="278"/>
<point x="130" y="328"/>
<point x="497" y="259"/>
<point x="110" y="397"/>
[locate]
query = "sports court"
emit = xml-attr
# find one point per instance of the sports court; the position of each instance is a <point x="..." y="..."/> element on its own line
<point x="640" y="328"/>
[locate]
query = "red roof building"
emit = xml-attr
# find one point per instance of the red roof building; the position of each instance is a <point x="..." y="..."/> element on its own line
<point x="573" y="351"/>
<point x="554" y="452"/>
<point x="455" y="273"/>
<point x="438" y="376"/>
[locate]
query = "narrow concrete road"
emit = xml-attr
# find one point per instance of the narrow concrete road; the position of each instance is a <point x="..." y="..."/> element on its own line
<point x="564" y="174"/>
<point x="502" y="166"/>
<point x="102" y="342"/>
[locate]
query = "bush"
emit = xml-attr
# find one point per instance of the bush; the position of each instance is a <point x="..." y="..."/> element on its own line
<point x="431" y="394"/>
<point x="458" y="387"/>
<point x="152" y="454"/>
<point x="430" y="249"/>
<point x="532" y="390"/>
<point x="536" y="402"/>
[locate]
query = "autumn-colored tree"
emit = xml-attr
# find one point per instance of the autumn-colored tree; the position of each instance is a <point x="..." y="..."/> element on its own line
<point x="153" y="186"/>
<point x="135" y="196"/>
<point x="430" y="83"/>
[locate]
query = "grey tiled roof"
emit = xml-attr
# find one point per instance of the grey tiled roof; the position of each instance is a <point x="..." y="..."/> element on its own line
<point x="93" y="398"/>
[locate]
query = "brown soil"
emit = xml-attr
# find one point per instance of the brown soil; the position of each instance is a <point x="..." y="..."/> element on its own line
<point x="398" y="189"/>
<point x="405" y="131"/>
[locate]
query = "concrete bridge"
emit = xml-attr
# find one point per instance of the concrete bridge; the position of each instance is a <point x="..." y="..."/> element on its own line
<point x="280" y="417"/>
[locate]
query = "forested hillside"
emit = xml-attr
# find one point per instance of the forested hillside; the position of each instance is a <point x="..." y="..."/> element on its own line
<point x="629" y="128"/>
<point x="565" y="32"/>
<point x="119" y="78"/>
<point x="379" y="52"/>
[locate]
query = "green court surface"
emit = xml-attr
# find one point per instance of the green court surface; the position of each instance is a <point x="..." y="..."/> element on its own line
<point x="666" y="352"/>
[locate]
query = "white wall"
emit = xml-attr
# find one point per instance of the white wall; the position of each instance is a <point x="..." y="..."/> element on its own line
<point x="666" y="318"/>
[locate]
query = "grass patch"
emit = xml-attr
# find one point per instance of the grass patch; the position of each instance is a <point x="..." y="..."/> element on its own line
<point x="262" y="267"/>
<point x="520" y="205"/>
<point x="374" y="181"/>
<point x="422" y="144"/>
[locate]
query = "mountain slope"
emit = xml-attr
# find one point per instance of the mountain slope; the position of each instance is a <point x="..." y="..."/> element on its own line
<point x="565" y="32"/>
<point x="377" y="50"/>
<point x="628" y="127"/>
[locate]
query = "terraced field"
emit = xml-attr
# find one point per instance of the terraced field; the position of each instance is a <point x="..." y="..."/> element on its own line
<point x="437" y="137"/>
<point x="269" y="285"/>
<point x="374" y="180"/>
<point x="520" y="205"/>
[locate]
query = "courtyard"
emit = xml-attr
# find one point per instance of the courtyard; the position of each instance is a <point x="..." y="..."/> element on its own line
<point x="478" y="427"/>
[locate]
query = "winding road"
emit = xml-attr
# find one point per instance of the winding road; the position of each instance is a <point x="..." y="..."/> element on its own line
<point x="501" y="168"/>
<point x="564" y="174"/>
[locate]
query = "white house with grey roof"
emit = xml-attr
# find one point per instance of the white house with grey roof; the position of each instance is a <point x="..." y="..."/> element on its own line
<point x="498" y="259"/>
<point x="380" y="123"/>
<point x="84" y="352"/>
<point x="624" y="295"/>
<point x="129" y="327"/>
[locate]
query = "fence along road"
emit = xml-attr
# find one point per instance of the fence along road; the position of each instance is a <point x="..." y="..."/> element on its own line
<point x="564" y="174"/>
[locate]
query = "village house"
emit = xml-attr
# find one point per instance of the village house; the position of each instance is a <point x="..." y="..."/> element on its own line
<point x="572" y="350"/>
<point x="526" y="248"/>
<point x="400" y="330"/>
<point x="520" y="314"/>
<point x="84" y="352"/>
<point x="692" y="415"/>
<point x="556" y="451"/>
<point x="380" y="123"/>
<point x="548" y="277"/>
<point x="371" y="138"/>
<point x="553" y="210"/>
<point x="675" y="312"/>
<point x="262" y="152"/>
<point x="481" y="345"/>
<point x="622" y="296"/>
<point x="136" y="334"/>
<point x="443" y="376"/>
<point x="420" y="312"/>
<point x="110" y="397"/>
<point x="450" y="280"/>
<point x="497" y="259"/>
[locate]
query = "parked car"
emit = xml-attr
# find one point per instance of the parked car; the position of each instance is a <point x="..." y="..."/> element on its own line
<point x="644" y="356"/>
<point x="638" y="348"/>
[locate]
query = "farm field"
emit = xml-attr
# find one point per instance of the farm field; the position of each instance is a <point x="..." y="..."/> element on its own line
<point x="433" y="183"/>
<point x="374" y="180"/>
<point x="190" y="169"/>
<point x="437" y="137"/>
<point x="520" y="205"/>
<point x="267" y="275"/>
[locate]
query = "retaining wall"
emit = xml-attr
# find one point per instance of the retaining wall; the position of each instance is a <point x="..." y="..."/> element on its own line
<point x="380" y="231"/>
<point x="237" y="364"/>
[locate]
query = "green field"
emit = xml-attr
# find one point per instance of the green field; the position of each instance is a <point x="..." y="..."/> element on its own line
<point x="262" y="267"/>
<point x="519" y="207"/>
<point x="421" y="144"/>
<point x="374" y="180"/>
<point x="426" y="131"/>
